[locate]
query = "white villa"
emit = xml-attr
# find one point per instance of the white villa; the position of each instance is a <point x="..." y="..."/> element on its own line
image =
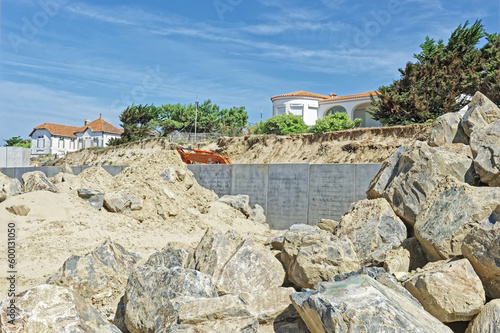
<point x="311" y="106"/>
<point x="59" y="140"/>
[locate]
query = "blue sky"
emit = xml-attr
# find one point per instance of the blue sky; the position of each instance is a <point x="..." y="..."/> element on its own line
<point x="62" y="61"/>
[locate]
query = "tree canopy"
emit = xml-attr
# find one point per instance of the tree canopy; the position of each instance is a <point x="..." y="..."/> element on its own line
<point x="442" y="78"/>
<point x="136" y="122"/>
<point x="139" y="120"/>
<point x="17" y="141"/>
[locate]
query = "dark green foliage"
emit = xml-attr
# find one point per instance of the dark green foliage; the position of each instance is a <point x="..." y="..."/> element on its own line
<point x="281" y="125"/>
<point x="139" y="121"/>
<point x="210" y="119"/>
<point x="136" y="122"/>
<point x="115" y="142"/>
<point x="334" y="122"/>
<point x="16" y="141"/>
<point x="233" y="120"/>
<point x="434" y="84"/>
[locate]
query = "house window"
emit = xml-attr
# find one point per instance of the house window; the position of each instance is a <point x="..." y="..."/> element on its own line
<point x="336" y="109"/>
<point x="61" y="143"/>
<point x="96" y="142"/>
<point x="40" y="142"/>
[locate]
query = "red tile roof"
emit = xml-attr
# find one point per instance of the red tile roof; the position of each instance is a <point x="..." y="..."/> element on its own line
<point x="301" y="93"/>
<point x="339" y="98"/>
<point x="56" y="129"/>
<point x="100" y="125"/>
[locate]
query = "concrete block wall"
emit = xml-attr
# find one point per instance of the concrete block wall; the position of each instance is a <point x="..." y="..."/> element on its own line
<point x="11" y="157"/>
<point x="51" y="171"/>
<point x="291" y="193"/>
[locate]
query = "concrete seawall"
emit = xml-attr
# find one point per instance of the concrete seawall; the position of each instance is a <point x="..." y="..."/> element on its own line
<point x="51" y="171"/>
<point x="291" y="193"/>
<point x="11" y="157"/>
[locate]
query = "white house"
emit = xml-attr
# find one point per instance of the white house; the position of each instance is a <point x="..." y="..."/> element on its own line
<point x="311" y="106"/>
<point x="58" y="139"/>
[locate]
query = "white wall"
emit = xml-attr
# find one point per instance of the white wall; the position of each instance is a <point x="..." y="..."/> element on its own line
<point x="51" y="144"/>
<point x="109" y="136"/>
<point x="14" y="157"/>
<point x="59" y="145"/>
<point x="62" y="145"/>
<point x="40" y="142"/>
<point x="355" y="108"/>
<point x="90" y="139"/>
<point x="305" y="107"/>
<point x="310" y="109"/>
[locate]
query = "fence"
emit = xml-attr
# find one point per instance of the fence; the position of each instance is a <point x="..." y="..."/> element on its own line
<point x="190" y="137"/>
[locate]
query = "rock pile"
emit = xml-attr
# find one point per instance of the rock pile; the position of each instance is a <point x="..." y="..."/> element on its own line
<point x="420" y="254"/>
<point x="111" y="225"/>
<point x="439" y="239"/>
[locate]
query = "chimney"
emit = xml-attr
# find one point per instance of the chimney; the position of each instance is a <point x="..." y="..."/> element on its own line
<point x="333" y="94"/>
<point x="86" y="122"/>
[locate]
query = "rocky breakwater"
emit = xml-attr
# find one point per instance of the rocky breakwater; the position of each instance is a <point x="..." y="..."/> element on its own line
<point x="420" y="254"/>
<point x="430" y="221"/>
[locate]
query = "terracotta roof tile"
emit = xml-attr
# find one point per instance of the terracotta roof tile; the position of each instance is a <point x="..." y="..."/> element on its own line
<point x="301" y="93"/>
<point x="56" y="129"/>
<point x="339" y="98"/>
<point x="100" y="125"/>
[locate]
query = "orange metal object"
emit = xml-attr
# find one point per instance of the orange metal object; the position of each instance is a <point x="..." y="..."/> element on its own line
<point x="202" y="156"/>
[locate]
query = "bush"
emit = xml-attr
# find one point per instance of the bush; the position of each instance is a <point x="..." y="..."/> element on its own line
<point x="115" y="142"/>
<point x="281" y="125"/>
<point x="334" y="122"/>
<point x="257" y="128"/>
<point x="442" y="76"/>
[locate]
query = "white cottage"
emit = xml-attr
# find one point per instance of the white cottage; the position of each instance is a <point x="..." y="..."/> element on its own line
<point x="311" y="106"/>
<point x="59" y="140"/>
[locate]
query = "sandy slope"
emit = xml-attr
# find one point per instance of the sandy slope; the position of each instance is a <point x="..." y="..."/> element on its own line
<point x="61" y="224"/>
<point x="364" y="145"/>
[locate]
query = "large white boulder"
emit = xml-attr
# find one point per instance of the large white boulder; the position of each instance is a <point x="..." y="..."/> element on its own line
<point x="409" y="177"/>
<point x="482" y="248"/>
<point x="311" y="255"/>
<point x="50" y="308"/>
<point x="373" y="228"/>
<point x="456" y="208"/>
<point x="449" y="290"/>
<point x="480" y="113"/>
<point x="485" y="145"/>
<point x="365" y="301"/>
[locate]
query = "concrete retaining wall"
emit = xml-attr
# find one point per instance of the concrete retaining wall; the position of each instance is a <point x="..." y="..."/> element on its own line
<point x="291" y="193"/>
<point x="11" y="157"/>
<point x="54" y="170"/>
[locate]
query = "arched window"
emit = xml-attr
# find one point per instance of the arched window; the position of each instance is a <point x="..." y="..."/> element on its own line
<point x="335" y="109"/>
